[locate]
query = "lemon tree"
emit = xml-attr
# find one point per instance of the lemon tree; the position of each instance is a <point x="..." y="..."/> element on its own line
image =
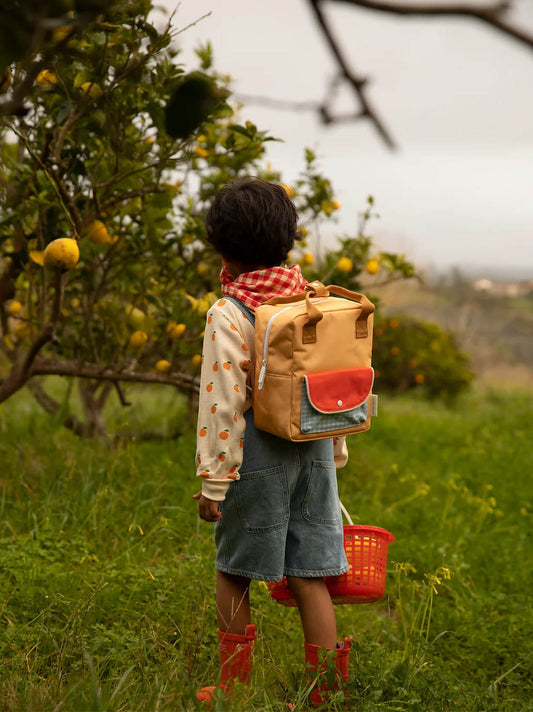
<point x="105" y="273"/>
<point x="102" y="191"/>
<point x="110" y="152"/>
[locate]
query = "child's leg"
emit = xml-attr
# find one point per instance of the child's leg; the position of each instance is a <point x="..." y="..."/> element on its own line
<point x="235" y="634"/>
<point x="233" y="603"/>
<point x="316" y="610"/>
<point x="320" y="631"/>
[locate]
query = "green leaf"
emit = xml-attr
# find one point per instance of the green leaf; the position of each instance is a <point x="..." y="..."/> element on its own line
<point x="190" y="104"/>
<point x="309" y="157"/>
<point x="63" y="112"/>
<point x="151" y="31"/>
<point x="162" y="201"/>
<point x="243" y="131"/>
<point x="205" y="55"/>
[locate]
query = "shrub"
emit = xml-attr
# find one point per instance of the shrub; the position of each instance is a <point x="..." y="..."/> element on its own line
<point x="410" y="353"/>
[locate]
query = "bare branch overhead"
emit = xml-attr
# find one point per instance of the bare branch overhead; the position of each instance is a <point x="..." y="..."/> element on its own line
<point x="358" y="83"/>
<point x="494" y="14"/>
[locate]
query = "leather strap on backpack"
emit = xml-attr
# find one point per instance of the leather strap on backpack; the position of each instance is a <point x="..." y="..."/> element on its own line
<point x="367" y="308"/>
<point x="314" y="315"/>
<point x="318" y="289"/>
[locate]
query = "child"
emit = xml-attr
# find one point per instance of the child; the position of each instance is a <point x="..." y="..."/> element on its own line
<point x="274" y="502"/>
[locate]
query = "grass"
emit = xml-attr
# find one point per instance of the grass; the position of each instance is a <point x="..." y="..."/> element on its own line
<point x="107" y="596"/>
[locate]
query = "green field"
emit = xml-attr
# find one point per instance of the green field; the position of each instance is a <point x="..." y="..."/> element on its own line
<point x="107" y="579"/>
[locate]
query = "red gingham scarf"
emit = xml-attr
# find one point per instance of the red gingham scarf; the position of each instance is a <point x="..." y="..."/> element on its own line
<point x="254" y="288"/>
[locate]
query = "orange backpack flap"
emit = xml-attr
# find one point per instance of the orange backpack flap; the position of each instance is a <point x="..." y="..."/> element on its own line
<point x="313" y="350"/>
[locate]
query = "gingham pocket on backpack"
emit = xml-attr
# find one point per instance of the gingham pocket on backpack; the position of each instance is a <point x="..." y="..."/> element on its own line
<point x="335" y="400"/>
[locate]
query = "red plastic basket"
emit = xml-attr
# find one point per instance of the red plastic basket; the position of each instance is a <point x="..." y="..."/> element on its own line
<point x="366" y="550"/>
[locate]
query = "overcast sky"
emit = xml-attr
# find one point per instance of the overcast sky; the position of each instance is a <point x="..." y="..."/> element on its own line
<point x="456" y="95"/>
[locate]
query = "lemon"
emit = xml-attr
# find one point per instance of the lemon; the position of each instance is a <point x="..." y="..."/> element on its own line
<point x="138" y="339"/>
<point x="62" y="253"/>
<point x="37" y="257"/>
<point x="46" y="78"/>
<point x="372" y="266"/>
<point x="163" y="366"/>
<point x="61" y="33"/>
<point x="345" y="264"/>
<point x="175" y="330"/>
<point x="91" y="90"/>
<point x="14" y="308"/>
<point x="308" y="259"/>
<point x="97" y="233"/>
<point x="203" y="305"/>
<point x="327" y="207"/>
<point x="288" y="190"/>
<point x="196" y="361"/>
<point x="136" y="317"/>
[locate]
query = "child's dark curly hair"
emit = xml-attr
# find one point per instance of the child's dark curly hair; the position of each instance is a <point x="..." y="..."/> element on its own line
<point x="252" y="222"/>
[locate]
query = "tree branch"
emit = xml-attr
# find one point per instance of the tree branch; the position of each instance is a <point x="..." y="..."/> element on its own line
<point x="69" y="123"/>
<point x="21" y="371"/>
<point x="61" y="192"/>
<point x="492" y="13"/>
<point x="358" y="83"/>
<point x="52" y="406"/>
<point x="48" y="367"/>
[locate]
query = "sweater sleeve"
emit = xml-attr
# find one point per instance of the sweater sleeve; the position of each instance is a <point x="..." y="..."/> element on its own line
<point x="222" y="401"/>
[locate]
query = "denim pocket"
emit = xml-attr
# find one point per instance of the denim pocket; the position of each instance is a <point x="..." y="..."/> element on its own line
<point x="321" y="501"/>
<point x="262" y="499"/>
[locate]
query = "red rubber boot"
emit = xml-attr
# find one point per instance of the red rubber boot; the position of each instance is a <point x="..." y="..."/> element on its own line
<point x="317" y="670"/>
<point x="236" y="653"/>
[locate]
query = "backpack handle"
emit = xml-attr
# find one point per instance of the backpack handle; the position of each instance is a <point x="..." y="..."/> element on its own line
<point x="317" y="289"/>
<point x="314" y="315"/>
<point x="367" y="307"/>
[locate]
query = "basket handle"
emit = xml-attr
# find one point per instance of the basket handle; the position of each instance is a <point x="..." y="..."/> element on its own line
<point x="345" y="512"/>
<point x="383" y="533"/>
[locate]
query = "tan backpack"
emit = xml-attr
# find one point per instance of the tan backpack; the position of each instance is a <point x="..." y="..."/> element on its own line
<point x="312" y="375"/>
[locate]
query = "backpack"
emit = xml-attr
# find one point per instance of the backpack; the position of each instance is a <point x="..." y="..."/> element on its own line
<point x="312" y="377"/>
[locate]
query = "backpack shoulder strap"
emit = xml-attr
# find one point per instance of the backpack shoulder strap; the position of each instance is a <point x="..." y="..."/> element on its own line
<point x="247" y="312"/>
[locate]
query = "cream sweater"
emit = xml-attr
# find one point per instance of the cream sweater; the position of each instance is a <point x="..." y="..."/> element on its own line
<point x="228" y="354"/>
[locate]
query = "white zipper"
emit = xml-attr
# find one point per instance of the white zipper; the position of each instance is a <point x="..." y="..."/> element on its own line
<point x="262" y="372"/>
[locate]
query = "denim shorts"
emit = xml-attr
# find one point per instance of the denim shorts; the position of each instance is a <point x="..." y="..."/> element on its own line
<point x="283" y="516"/>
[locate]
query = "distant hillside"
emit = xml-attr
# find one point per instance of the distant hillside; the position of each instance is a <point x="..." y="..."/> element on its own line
<point x="496" y="332"/>
<point x="518" y="273"/>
